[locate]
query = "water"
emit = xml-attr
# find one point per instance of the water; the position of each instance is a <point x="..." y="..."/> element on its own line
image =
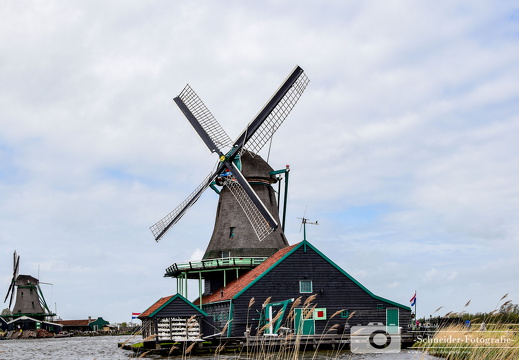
<point x="73" y="348"/>
<point x="105" y="348"/>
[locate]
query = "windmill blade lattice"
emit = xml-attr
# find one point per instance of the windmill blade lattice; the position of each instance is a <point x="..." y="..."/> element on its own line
<point x="257" y="133"/>
<point x="259" y="224"/>
<point x="163" y="225"/>
<point x="16" y="266"/>
<point x="201" y="116"/>
<point x="10" y="291"/>
<point x="277" y="115"/>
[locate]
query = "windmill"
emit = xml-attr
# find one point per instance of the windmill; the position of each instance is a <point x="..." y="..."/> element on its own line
<point x="241" y="173"/>
<point x="29" y="297"/>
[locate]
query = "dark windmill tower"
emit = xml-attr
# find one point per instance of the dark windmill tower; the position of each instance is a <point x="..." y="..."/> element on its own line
<point x="246" y="227"/>
<point x="29" y="297"/>
<point x="233" y="235"/>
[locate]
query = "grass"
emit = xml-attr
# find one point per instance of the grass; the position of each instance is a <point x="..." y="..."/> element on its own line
<point x="492" y="336"/>
<point x="262" y="346"/>
<point x="456" y="342"/>
<point x="287" y="346"/>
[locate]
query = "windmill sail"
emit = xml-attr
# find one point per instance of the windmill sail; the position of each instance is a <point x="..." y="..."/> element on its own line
<point x="163" y="225"/>
<point x="277" y="109"/>
<point x="200" y="117"/>
<point x="256" y="134"/>
<point x="16" y="266"/>
<point x="259" y="224"/>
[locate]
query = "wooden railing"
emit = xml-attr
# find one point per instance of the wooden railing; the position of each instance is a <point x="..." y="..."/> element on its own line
<point x="215" y="263"/>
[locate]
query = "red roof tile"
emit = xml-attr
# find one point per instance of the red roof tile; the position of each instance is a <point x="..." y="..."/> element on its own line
<point x="235" y="286"/>
<point x="155" y="306"/>
<point x="73" y="322"/>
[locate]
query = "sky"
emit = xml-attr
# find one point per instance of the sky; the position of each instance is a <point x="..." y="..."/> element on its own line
<point x="403" y="146"/>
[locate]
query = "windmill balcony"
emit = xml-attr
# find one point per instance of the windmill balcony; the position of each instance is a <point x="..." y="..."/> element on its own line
<point x="213" y="264"/>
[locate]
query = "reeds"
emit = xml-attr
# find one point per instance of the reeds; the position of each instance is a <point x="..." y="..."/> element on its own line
<point x="291" y="344"/>
<point x="456" y="342"/>
<point x="488" y="337"/>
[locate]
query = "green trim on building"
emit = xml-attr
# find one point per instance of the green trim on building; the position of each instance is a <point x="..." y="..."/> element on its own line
<point x="306" y="244"/>
<point x="358" y="283"/>
<point x="266" y="272"/>
<point x="231" y="316"/>
<point x="98" y="324"/>
<point x="178" y="296"/>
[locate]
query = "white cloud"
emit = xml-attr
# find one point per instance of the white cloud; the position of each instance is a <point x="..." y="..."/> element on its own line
<point x="402" y="146"/>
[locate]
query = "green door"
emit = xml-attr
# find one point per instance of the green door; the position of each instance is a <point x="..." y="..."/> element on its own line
<point x="392" y="321"/>
<point x="272" y="311"/>
<point x="303" y="325"/>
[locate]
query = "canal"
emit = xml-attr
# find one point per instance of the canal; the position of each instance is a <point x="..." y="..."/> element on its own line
<point x="105" y="348"/>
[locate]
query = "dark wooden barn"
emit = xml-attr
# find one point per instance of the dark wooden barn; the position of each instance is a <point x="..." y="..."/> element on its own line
<point x="83" y="325"/>
<point x="308" y="294"/>
<point x="299" y="271"/>
<point x="175" y="318"/>
<point x="29" y="323"/>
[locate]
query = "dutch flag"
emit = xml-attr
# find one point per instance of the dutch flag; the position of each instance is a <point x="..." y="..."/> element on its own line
<point x="134" y="315"/>
<point x="413" y="299"/>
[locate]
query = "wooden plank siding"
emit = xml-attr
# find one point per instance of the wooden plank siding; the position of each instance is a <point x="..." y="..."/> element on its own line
<point x="175" y="306"/>
<point x="335" y="290"/>
<point x="219" y="314"/>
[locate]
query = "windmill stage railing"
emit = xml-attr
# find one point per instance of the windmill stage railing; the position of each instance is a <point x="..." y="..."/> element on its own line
<point x="209" y="264"/>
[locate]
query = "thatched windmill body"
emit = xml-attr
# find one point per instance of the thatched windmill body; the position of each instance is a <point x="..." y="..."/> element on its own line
<point x="247" y="219"/>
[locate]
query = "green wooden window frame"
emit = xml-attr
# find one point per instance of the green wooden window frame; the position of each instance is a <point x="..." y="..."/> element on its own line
<point x="380" y="307"/>
<point x="320" y="314"/>
<point x="305" y="286"/>
<point x="345" y="313"/>
<point x="221" y="316"/>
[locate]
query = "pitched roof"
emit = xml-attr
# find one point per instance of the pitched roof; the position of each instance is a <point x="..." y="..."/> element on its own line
<point x="162" y="302"/>
<point x="157" y="305"/>
<point x="235" y="286"/>
<point x="28" y="318"/>
<point x="74" y="322"/>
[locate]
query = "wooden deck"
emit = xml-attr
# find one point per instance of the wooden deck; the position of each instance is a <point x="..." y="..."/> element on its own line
<point x="257" y="344"/>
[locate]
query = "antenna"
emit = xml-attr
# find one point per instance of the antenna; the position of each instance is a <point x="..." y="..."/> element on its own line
<point x="305" y="221"/>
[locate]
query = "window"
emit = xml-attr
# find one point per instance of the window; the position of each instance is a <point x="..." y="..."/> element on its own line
<point x="380" y="307"/>
<point x="221" y="317"/>
<point x="226" y="254"/>
<point x="232" y="232"/>
<point x="305" y="286"/>
<point x="345" y="313"/>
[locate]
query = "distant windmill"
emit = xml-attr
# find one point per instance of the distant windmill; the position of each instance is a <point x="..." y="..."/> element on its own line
<point x="241" y="172"/>
<point x="29" y="297"/>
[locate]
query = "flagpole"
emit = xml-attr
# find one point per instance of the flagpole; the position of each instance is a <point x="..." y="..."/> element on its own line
<point x="415" y="313"/>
